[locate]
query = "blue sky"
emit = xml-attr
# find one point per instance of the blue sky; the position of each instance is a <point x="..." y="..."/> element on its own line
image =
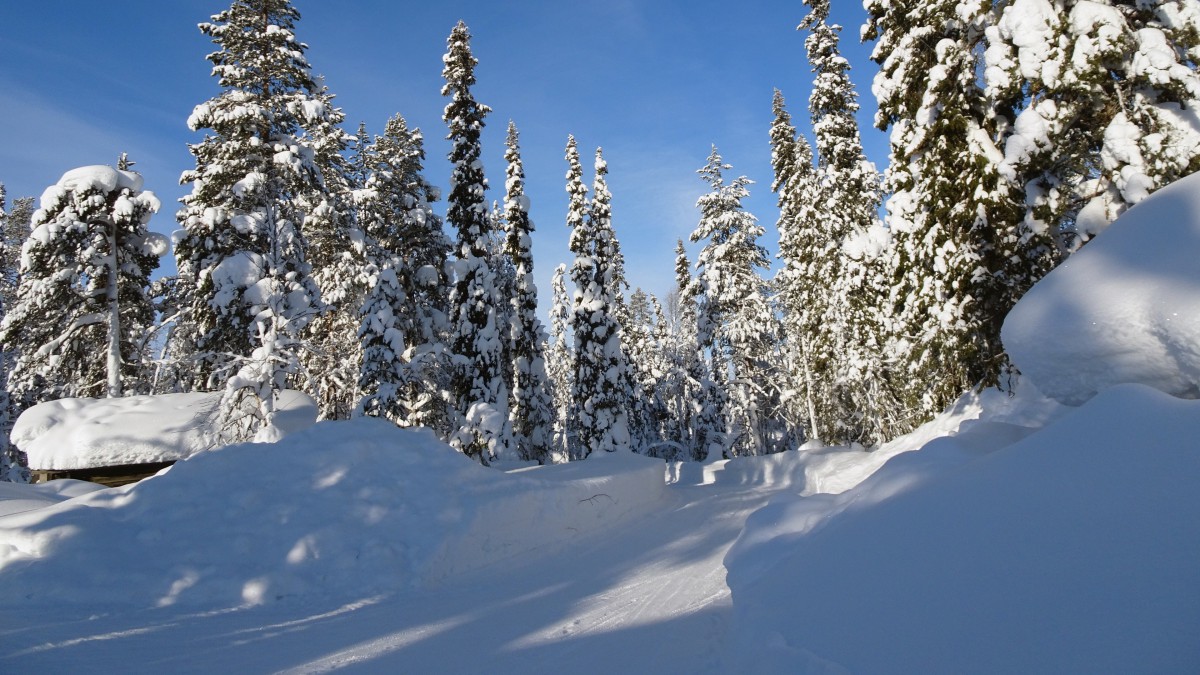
<point x="654" y="82"/>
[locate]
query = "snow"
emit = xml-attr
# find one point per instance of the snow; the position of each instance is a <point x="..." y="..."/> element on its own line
<point x="337" y="510"/>
<point x="80" y="433"/>
<point x="1072" y="550"/>
<point x="1125" y="308"/>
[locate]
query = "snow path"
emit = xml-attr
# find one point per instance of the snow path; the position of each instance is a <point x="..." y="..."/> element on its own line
<point x="648" y="597"/>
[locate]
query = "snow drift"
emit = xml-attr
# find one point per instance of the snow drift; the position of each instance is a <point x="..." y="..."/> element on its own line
<point x="82" y="433"/>
<point x="345" y="508"/>
<point x="1125" y="308"/>
<point x="1073" y="550"/>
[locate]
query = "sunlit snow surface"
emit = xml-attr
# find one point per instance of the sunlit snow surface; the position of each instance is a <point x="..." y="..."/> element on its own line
<point x="1125" y="308"/>
<point x="80" y="433"/>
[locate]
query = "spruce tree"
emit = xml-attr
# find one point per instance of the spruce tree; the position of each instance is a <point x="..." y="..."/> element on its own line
<point x="335" y="253"/>
<point x="84" y="278"/>
<point x="560" y="366"/>
<point x="532" y="414"/>
<point x="700" y="403"/>
<point x="14" y="230"/>
<point x="736" y="318"/>
<point x="246" y="292"/>
<point x="601" y="370"/>
<point x="802" y="294"/>
<point x="961" y="256"/>
<point x="477" y="386"/>
<point x="1099" y="95"/>
<point x="640" y="338"/>
<point x="403" y="319"/>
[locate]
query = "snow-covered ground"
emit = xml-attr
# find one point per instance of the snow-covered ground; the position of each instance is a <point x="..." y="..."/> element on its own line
<point x="1011" y="534"/>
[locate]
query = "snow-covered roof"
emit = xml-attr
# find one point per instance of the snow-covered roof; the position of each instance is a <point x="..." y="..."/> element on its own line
<point x="85" y="433"/>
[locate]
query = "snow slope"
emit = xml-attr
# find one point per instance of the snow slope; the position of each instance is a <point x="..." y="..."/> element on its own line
<point x="1124" y="308"/>
<point x="1073" y="550"/>
<point x="341" y="509"/>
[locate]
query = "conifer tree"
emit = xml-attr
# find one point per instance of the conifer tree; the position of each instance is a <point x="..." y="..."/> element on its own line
<point x="403" y="320"/>
<point x="84" y="275"/>
<point x="699" y="402"/>
<point x="477" y="386"/>
<point x="640" y="337"/>
<point x="1102" y="96"/>
<point x="849" y="197"/>
<point x="14" y="230"/>
<point x="335" y="254"/>
<point x="532" y="413"/>
<point x="736" y="318"/>
<point x="960" y="256"/>
<point x="802" y="294"/>
<point x="246" y="292"/>
<point x="601" y="370"/>
<point x="560" y="366"/>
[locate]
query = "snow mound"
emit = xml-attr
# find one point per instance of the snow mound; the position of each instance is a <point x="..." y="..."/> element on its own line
<point x="23" y="497"/>
<point x="1124" y="309"/>
<point x="344" y="509"/>
<point x="1072" y="550"/>
<point x="82" y="433"/>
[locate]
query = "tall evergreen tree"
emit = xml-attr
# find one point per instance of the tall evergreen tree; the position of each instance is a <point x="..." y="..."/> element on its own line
<point x="601" y="370"/>
<point x="640" y="338"/>
<point x="699" y="404"/>
<point x="736" y="317"/>
<point x="403" y="320"/>
<point x="532" y="413"/>
<point x="560" y="366"/>
<point x="848" y="198"/>
<point x="244" y="278"/>
<point x="803" y="295"/>
<point x="961" y="256"/>
<point x="14" y="230"/>
<point x="1100" y="94"/>
<point x="84" y="275"/>
<point x="335" y="254"/>
<point x="478" y="383"/>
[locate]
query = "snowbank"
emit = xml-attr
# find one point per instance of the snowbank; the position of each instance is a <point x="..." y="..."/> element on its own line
<point x="21" y="497"/>
<point x="1073" y="550"/>
<point x="347" y="509"/>
<point x="979" y="422"/>
<point x="82" y="433"/>
<point x="1125" y="308"/>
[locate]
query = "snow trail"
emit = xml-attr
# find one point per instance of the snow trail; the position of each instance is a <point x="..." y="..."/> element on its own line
<point x="647" y="596"/>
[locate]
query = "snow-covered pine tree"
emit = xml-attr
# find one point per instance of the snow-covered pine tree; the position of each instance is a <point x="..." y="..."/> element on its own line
<point x="849" y="189"/>
<point x="1106" y="98"/>
<point x="335" y="253"/>
<point x="560" y="366"/>
<point x="14" y="230"/>
<point x="244" y="278"/>
<point x="737" y="322"/>
<point x="802" y="296"/>
<point x="699" y="411"/>
<point x="84" y="275"/>
<point x="609" y="249"/>
<point x="639" y="337"/>
<point x="504" y="274"/>
<point x="532" y="413"/>
<point x="477" y="385"/>
<point x="601" y="380"/>
<point x="960" y="256"/>
<point x="403" y="320"/>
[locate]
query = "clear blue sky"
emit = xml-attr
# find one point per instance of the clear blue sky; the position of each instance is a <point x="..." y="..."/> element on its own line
<point x="655" y="82"/>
